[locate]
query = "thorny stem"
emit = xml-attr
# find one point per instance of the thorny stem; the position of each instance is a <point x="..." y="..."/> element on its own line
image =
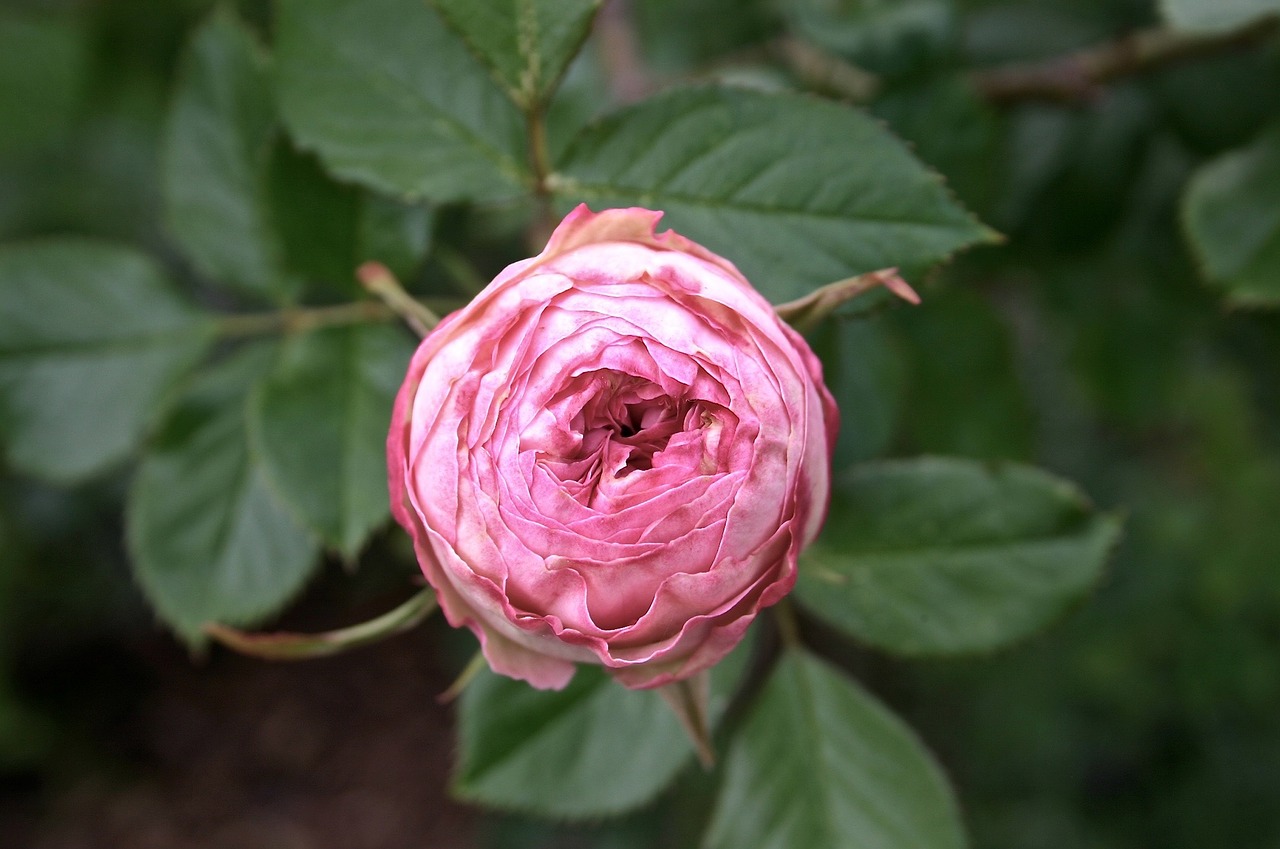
<point x="1078" y="76"/>
<point x="619" y="52"/>
<point x="1072" y="78"/>
<point x="825" y="72"/>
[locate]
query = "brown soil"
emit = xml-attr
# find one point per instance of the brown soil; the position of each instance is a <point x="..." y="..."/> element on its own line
<point x="351" y="752"/>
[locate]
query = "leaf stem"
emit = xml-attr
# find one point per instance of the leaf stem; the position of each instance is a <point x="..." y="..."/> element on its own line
<point x="540" y="162"/>
<point x="539" y="155"/>
<point x="301" y="319"/>
<point x="292" y="646"/>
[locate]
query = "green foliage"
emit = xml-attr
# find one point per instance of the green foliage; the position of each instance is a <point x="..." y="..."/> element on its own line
<point x="1216" y="14"/>
<point x="332" y="132"/>
<point x="1232" y="216"/>
<point x="390" y="97"/>
<point x="713" y="160"/>
<point x="92" y="338"/>
<point x="862" y="365"/>
<point x="42" y="62"/>
<point x="964" y="395"/>
<point x="211" y="541"/>
<point x="819" y="763"/>
<point x="939" y="556"/>
<point x="609" y="749"/>
<point x="319" y="426"/>
<point x="888" y="36"/>
<point x="217" y="146"/>
<point x="952" y="130"/>
<point x="527" y="44"/>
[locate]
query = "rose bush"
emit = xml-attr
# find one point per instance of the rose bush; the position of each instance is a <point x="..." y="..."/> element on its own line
<point x="614" y="454"/>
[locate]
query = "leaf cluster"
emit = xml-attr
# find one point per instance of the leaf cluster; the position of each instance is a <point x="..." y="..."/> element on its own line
<point x="240" y="384"/>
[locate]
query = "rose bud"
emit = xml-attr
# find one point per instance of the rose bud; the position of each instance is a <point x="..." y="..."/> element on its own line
<point x="613" y="455"/>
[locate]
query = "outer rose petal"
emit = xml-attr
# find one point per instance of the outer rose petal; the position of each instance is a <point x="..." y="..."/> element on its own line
<point x="614" y="454"/>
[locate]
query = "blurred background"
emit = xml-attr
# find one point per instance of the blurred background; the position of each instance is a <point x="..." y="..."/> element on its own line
<point x="1088" y="344"/>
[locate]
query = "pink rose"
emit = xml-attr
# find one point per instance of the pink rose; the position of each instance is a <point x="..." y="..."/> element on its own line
<point x="613" y="455"/>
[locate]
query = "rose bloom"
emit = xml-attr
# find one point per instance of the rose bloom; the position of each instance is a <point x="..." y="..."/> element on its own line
<point x="613" y="455"/>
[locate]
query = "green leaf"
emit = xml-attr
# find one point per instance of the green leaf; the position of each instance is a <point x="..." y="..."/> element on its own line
<point x="210" y="540"/>
<point x="92" y="338"/>
<point x="950" y="128"/>
<point x="1216" y="14"/>
<point x="319" y="424"/>
<point x="316" y="219"/>
<point x="396" y="234"/>
<point x="1231" y="210"/>
<point x="526" y="43"/>
<point x="217" y="147"/>
<point x="945" y="556"/>
<point x="820" y="764"/>
<point x="390" y="97"/>
<point x="328" y="228"/>
<point x="796" y="191"/>
<point x="42" y="76"/>
<point x="609" y="748"/>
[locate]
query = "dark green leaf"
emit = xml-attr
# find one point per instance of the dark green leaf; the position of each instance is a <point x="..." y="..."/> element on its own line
<point x="820" y="764"/>
<point x="609" y="748"/>
<point x="943" y="556"/>
<point x="1216" y="14"/>
<point x="329" y="228"/>
<point x="216" y="150"/>
<point x="210" y="540"/>
<point x="885" y="36"/>
<point x="319" y="424"/>
<point x="796" y="191"/>
<point x="42" y="74"/>
<point x="91" y="339"/>
<point x="1232" y="214"/>
<point x="952" y="130"/>
<point x="526" y="43"/>
<point x="396" y="234"/>
<point x="389" y="96"/>
<point x="316" y="219"/>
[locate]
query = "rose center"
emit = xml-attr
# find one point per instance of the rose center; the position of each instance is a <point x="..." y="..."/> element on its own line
<point x="607" y="434"/>
<point x="628" y="419"/>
